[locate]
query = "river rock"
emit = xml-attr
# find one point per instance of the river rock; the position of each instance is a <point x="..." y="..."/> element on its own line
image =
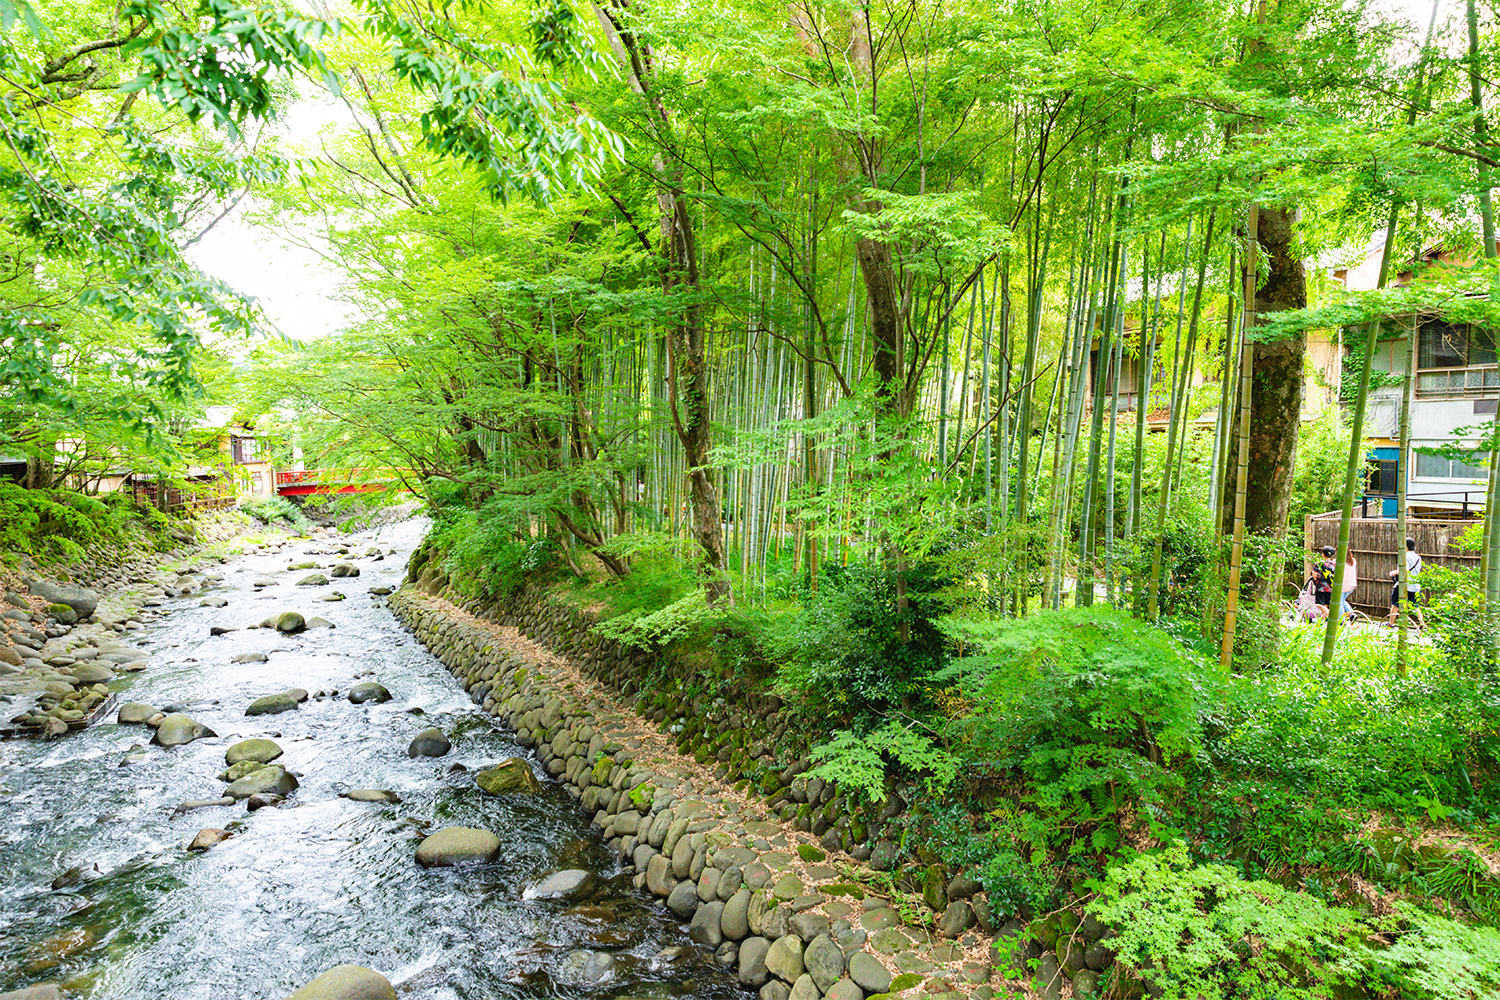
<point x="735" y="921"/>
<point x="273" y="704"/>
<point x="570" y="883"/>
<point x="456" y="845"/>
<point x="429" y="743"/>
<point x="222" y="629"/>
<point x="706" y="926"/>
<point x="241" y="768"/>
<point x="316" y="622"/>
<point x="91" y="673"/>
<point x="248" y="658"/>
<point x="80" y="599"/>
<point x="369" y="691"/>
<point x="273" y="779"/>
<point x="261" y="800"/>
<point x="583" y="967"/>
<point x="290" y="622"/>
<point x="312" y="580"/>
<point x="784" y="958"/>
<point x="10" y="658"/>
<point x="44" y="991"/>
<point x="208" y="837"/>
<point x="371" y="795"/>
<point x="513" y="775"/>
<point x="824" y="961"/>
<point x="178" y="729"/>
<point x="347" y="982"/>
<point x="344" y="569"/>
<point x="260" y="750"/>
<point x="134" y="713"/>
<point x="683" y="900"/>
<point x="844" y="989"/>
<point x="868" y="973"/>
<point x="752" y="969"/>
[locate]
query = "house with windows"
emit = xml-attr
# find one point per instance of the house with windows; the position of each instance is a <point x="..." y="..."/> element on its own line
<point x="1456" y="392"/>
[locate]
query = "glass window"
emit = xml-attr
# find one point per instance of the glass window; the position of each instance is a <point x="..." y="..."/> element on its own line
<point x="1450" y="345"/>
<point x="1438" y="467"/>
<point x="1431" y="466"/>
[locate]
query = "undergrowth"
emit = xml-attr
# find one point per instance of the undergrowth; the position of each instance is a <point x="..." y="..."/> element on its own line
<point x="61" y="526"/>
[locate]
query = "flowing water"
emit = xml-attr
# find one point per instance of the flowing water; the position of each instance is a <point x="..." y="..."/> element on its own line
<point x="320" y="880"/>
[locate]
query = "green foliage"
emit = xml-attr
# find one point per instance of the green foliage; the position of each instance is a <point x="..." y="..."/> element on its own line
<point x="1200" y="930"/>
<point x="843" y="650"/>
<point x="860" y="763"/>
<point x="1322" y="457"/>
<point x="684" y="618"/>
<point x="269" y="510"/>
<point x="60" y="526"/>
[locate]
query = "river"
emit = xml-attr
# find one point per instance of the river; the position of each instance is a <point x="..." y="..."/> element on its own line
<point x="320" y="880"/>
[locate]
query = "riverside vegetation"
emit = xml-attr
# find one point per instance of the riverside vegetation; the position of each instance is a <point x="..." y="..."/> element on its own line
<point x="905" y="405"/>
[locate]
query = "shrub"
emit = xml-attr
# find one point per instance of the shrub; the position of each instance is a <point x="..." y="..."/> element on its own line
<point x="63" y="525"/>
<point x="270" y="510"/>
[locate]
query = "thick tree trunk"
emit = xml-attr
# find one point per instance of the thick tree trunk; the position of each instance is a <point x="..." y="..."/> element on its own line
<point x="1276" y="399"/>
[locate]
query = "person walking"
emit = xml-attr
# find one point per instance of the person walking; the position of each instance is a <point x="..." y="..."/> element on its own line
<point x="1413" y="586"/>
<point x="1351" y="579"/>
<point x="1322" y="583"/>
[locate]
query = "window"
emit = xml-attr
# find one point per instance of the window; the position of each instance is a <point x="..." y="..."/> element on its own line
<point x="1380" y="476"/>
<point x="241" y="450"/>
<point x="1454" y="345"/>
<point x="1438" y="467"/>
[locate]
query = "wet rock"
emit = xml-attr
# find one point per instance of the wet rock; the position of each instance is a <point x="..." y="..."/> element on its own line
<point x="273" y="779"/>
<point x="91" y="673"/>
<point x="208" y="837"/>
<point x="570" y="883"/>
<point x="316" y="622"/>
<point x="371" y="795"/>
<point x="583" y="967"/>
<point x="178" y="729"/>
<point x="192" y="804"/>
<point x="262" y="799"/>
<point x="347" y="982"/>
<point x="457" y="845"/>
<point x="513" y="775"/>
<point x="683" y="900"/>
<point x="868" y="973"/>
<point x="380" y="591"/>
<point x="43" y="991"/>
<point x="273" y="704"/>
<point x="335" y="596"/>
<point x="344" y="569"/>
<point x="248" y="658"/>
<point x="313" y="580"/>
<point x="429" y="743"/>
<point x="706" y="926"/>
<point x="239" y="769"/>
<point x="290" y="623"/>
<point x="222" y="629"/>
<point x="369" y="691"/>
<point x="80" y="599"/>
<point x="260" y="750"/>
<point x="213" y="602"/>
<point x="134" y="713"/>
<point x="752" y="965"/>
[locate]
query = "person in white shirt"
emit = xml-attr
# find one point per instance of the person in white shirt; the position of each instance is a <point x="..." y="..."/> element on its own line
<point x="1413" y="588"/>
<point x="1351" y="580"/>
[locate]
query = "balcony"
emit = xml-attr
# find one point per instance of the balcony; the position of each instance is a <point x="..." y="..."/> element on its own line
<point x="1477" y="380"/>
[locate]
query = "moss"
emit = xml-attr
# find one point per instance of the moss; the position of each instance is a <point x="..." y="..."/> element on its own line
<point x="807" y="852"/>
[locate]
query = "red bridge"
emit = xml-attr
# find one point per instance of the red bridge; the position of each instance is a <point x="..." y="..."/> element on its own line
<point x="297" y="484"/>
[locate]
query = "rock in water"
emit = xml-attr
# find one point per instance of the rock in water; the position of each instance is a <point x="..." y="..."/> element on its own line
<point x="248" y="658"/>
<point x="368" y="691"/>
<point x="513" y="775"/>
<point x="371" y="795"/>
<point x="207" y="838"/>
<point x="345" y="569"/>
<point x="273" y="779"/>
<point x="80" y="599"/>
<point x="240" y="769"/>
<point x="263" y="751"/>
<point x="429" y="743"/>
<point x="290" y="622"/>
<point x="44" y="991"/>
<point x="134" y="713"/>
<point x="178" y="729"/>
<point x="457" y="845"/>
<point x="347" y="982"/>
<point x="571" y="883"/>
<point x="316" y="622"/>
<point x="312" y="580"/>
<point x="273" y="704"/>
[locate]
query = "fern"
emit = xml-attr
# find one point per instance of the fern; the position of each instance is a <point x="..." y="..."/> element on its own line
<point x="681" y="619"/>
<point x="859" y="763"/>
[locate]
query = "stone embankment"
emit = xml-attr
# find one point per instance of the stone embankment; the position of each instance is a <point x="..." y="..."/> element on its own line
<point x="792" y="916"/>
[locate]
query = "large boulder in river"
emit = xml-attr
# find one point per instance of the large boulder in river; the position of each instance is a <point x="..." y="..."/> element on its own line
<point x="312" y="580"/>
<point x="570" y="883"/>
<point x="272" y="779"/>
<point x="258" y="750"/>
<point x="347" y="982"/>
<point x="345" y="569"/>
<point x="290" y="622"/>
<point x="134" y="713"/>
<point x="429" y="743"/>
<point x="456" y="845"/>
<point x="368" y="691"/>
<point x="82" y="600"/>
<point x="513" y="775"/>
<point x="273" y="704"/>
<point x="178" y="729"/>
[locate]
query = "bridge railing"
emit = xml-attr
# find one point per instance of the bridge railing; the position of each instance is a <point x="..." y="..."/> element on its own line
<point x="338" y="477"/>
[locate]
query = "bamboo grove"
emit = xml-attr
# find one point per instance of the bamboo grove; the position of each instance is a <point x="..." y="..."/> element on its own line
<point x="766" y="289"/>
